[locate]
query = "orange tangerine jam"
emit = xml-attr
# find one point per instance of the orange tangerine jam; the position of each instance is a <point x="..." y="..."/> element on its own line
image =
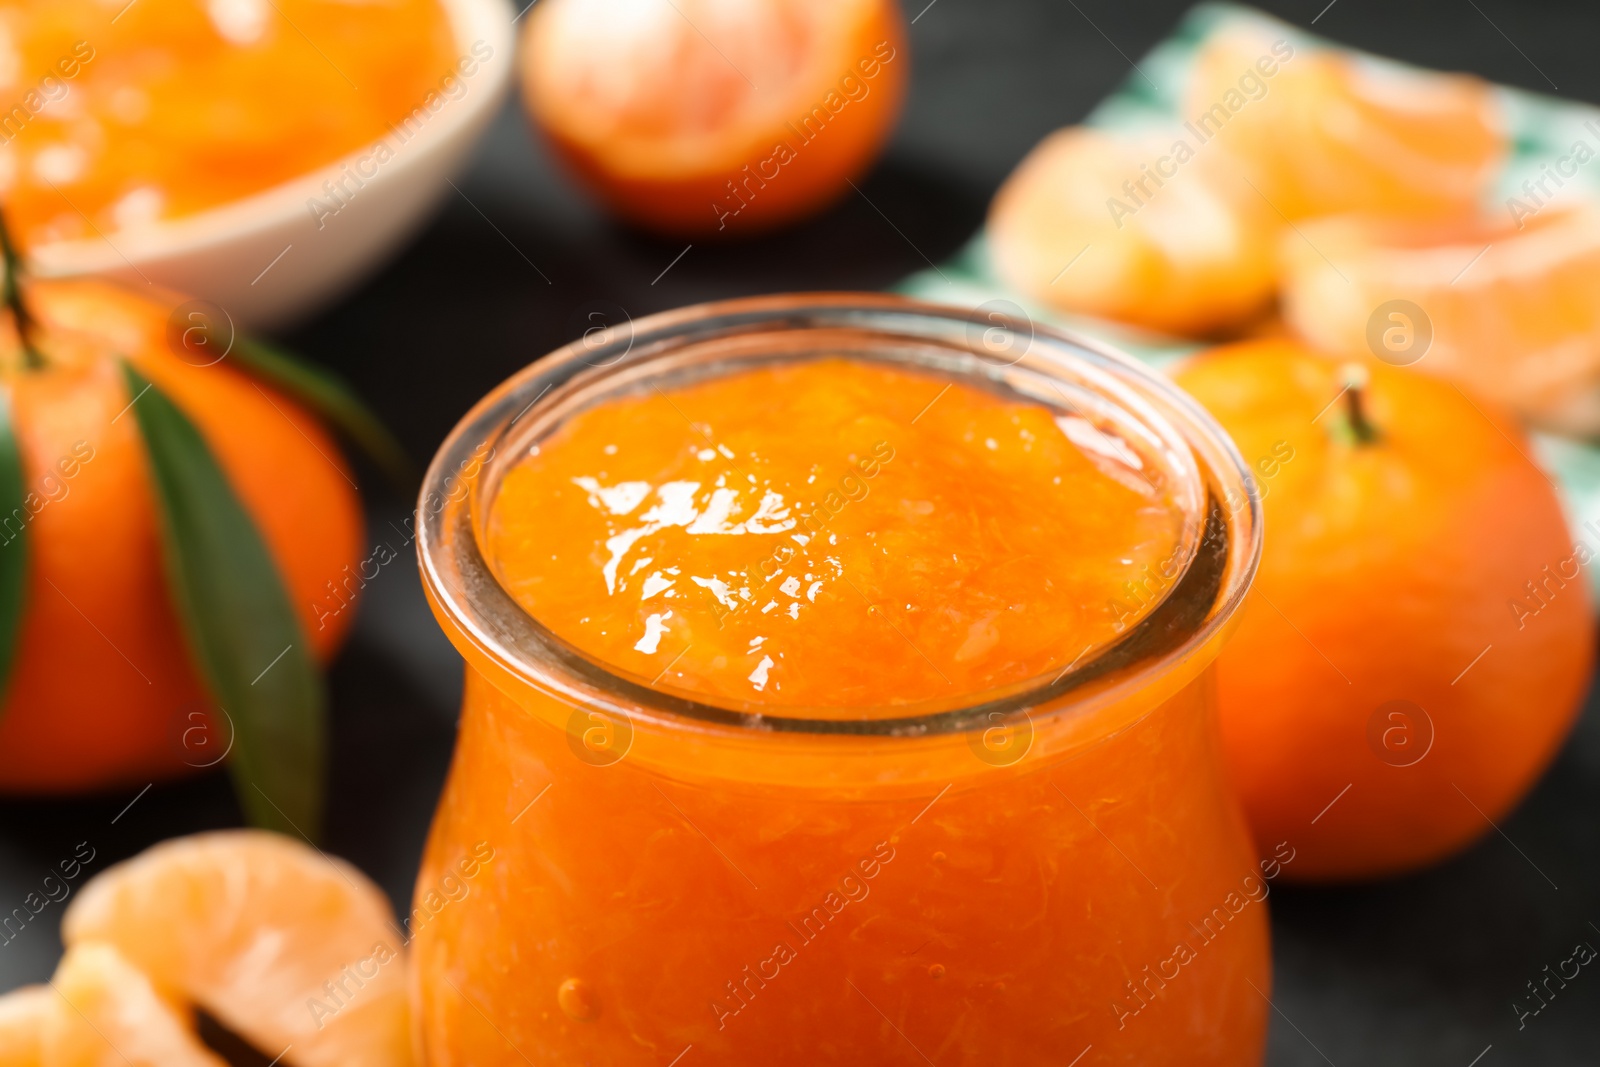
<point x="113" y="116"/>
<point x="835" y="696"/>
<point x="831" y="534"/>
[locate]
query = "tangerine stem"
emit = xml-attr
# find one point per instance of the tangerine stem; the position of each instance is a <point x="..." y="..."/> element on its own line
<point x="12" y="294"/>
<point x="1355" y="384"/>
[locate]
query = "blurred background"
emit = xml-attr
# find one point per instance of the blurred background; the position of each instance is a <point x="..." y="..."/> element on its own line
<point x="1421" y="970"/>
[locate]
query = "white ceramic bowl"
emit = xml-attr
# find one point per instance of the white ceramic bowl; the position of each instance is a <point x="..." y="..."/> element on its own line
<point x="279" y="255"/>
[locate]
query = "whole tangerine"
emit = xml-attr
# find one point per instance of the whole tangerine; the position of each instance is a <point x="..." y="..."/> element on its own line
<point x="1420" y="634"/>
<point x="103" y="688"/>
<point x="696" y="118"/>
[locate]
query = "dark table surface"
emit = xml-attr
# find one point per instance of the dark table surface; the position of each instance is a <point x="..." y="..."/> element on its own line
<point x="1418" y="971"/>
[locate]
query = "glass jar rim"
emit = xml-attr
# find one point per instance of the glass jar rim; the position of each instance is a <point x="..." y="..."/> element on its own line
<point x="460" y="483"/>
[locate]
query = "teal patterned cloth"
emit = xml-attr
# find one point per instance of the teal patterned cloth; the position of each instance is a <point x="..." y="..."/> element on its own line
<point x="1543" y="129"/>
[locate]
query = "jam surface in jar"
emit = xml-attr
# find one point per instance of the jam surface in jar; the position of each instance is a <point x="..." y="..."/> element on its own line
<point x="833" y="534"/>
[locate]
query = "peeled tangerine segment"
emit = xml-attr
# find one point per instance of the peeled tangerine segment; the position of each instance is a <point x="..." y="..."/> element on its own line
<point x="1134" y="228"/>
<point x="1328" y="131"/>
<point x="108" y="1014"/>
<point x="1512" y="313"/>
<point x="289" y="948"/>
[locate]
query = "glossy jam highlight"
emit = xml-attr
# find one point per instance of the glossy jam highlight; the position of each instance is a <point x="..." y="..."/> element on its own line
<point x="833" y="534"/>
<point x="113" y="117"/>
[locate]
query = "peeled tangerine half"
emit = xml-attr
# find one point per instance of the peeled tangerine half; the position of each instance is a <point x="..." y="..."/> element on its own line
<point x="292" y="950"/>
<point x="1511" y="313"/>
<point x="708" y="117"/>
<point x="1321" y="131"/>
<point x="1143" y="229"/>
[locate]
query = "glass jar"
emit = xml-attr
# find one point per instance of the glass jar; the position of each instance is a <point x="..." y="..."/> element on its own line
<point x="1051" y="874"/>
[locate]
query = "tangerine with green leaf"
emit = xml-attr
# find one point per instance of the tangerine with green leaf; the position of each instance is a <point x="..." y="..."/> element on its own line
<point x="1420" y="634"/>
<point x="169" y="529"/>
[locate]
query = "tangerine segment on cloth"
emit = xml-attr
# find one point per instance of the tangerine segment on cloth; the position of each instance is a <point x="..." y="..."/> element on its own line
<point x="699" y="117"/>
<point x="172" y="108"/>
<point x="1509" y="309"/>
<point x="905" y="537"/>
<point x="1420" y="635"/>
<point x="284" y="945"/>
<point x="103" y="685"/>
<point x="1143" y="229"/>
<point x="109" y="1014"/>
<point x="1321" y="131"/>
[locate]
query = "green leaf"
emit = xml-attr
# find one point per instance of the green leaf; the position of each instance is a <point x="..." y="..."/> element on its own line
<point x="13" y="543"/>
<point x="241" y="627"/>
<point x="329" y="396"/>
